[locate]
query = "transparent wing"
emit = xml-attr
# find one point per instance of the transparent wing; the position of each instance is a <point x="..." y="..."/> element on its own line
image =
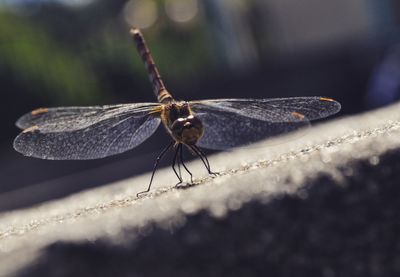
<point x="62" y="119"/>
<point x="85" y="133"/>
<point x="235" y="122"/>
<point x="224" y="130"/>
<point x="272" y="110"/>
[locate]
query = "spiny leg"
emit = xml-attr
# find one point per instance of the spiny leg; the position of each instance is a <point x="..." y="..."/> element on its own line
<point x="179" y="165"/>
<point x="155" y="167"/>
<point x="179" y="175"/>
<point x="203" y="157"/>
<point x="179" y="168"/>
<point x="206" y="164"/>
<point x="184" y="166"/>
<point x="202" y="154"/>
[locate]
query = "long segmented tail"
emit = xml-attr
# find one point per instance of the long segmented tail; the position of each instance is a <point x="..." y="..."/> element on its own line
<point x="159" y="89"/>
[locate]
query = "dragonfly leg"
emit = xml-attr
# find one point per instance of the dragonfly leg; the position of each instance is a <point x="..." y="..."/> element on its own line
<point x="177" y="173"/>
<point x="183" y="163"/>
<point x="179" y="168"/>
<point x="205" y="162"/>
<point x="179" y="165"/>
<point x="155" y="167"/>
<point x="204" y="159"/>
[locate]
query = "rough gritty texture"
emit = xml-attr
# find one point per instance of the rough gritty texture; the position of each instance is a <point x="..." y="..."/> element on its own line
<point x="325" y="204"/>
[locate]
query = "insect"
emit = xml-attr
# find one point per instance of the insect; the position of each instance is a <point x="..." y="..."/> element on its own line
<point x="80" y="133"/>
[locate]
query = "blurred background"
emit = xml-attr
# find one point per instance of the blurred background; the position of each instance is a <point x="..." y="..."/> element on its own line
<point x="79" y="52"/>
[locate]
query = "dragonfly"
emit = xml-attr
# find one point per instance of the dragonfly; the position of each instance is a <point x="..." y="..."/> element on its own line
<point x="93" y="132"/>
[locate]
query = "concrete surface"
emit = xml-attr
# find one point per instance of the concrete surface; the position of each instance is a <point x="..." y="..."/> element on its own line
<point x="323" y="204"/>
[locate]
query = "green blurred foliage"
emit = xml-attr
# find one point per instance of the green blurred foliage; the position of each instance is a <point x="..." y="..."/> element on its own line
<point x="182" y="54"/>
<point x="77" y="62"/>
<point x="45" y="66"/>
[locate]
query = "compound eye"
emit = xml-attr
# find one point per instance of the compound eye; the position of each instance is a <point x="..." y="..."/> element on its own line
<point x="179" y="125"/>
<point x="195" y="121"/>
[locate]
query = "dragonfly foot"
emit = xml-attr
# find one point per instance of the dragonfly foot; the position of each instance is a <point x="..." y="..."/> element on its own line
<point x="180" y="185"/>
<point x="141" y="194"/>
<point x="214" y="173"/>
<point x="184" y="185"/>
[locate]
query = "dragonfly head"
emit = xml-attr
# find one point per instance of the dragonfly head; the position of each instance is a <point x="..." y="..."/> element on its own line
<point x="187" y="130"/>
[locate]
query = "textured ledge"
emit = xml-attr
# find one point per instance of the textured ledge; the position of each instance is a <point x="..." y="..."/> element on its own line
<point x="324" y="204"/>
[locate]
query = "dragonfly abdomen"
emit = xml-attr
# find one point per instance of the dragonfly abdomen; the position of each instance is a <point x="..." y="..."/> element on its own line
<point x="160" y="91"/>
